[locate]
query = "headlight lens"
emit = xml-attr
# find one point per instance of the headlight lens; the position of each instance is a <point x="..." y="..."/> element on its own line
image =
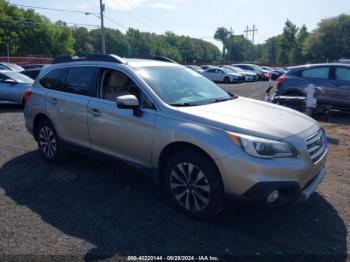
<point x="262" y="148"/>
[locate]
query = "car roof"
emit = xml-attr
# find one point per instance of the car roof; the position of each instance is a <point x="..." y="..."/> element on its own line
<point x="132" y="62"/>
<point x="294" y="68"/>
<point x="7" y="63"/>
<point x="6" y="71"/>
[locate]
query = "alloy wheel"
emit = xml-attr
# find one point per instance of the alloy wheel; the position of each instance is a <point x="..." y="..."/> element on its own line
<point x="47" y="142"/>
<point x="190" y="187"/>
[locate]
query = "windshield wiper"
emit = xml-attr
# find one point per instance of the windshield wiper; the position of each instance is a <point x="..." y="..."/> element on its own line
<point x="222" y="99"/>
<point x="182" y="104"/>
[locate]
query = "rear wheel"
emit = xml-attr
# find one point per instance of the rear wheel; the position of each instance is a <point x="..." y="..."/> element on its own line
<point x="193" y="183"/>
<point x="50" y="146"/>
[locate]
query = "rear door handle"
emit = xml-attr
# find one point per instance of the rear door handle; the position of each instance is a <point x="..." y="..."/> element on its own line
<point x="94" y="112"/>
<point x="53" y="100"/>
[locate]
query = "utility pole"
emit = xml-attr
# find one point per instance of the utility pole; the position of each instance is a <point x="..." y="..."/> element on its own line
<point x="8" y="51"/>
<point x="246" y="32"/>
<point x="253" y="38"/>
<point x="103" y="36"/>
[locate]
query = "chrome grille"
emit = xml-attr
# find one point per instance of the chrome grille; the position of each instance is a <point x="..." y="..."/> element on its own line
<point x="316" y="145"/>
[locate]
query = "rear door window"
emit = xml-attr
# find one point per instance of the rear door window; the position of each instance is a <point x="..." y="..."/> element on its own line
<point x="320" y="73"/>
<point x="54" y="80"/>
<point x="342" y="74"/>
<point x="80" y="80"/>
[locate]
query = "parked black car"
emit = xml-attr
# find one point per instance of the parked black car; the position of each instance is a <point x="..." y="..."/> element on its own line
<point x="32" y="73"/>
<point x="32" y="66"/>
<point x="333" y="79"/>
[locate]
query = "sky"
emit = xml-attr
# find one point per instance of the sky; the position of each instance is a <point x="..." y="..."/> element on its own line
<point x="196" y="18"/>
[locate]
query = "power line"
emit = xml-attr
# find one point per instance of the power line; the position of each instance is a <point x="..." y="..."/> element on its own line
<point x="116" y="23"/>
<point x="36" y="24"/>
<point x="141" y="11"/>
<point x="132" y="14"/>
<point x="70" y="11"/>
<point x="53" y="9"/>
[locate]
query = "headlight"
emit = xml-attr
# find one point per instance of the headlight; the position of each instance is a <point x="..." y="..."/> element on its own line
<point x="262" y="148"/>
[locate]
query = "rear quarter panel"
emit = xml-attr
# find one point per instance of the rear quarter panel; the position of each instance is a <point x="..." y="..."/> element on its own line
<point x="35" y="105"/>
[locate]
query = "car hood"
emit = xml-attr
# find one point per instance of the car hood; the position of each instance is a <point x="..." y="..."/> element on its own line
<point x="251" y="117"/>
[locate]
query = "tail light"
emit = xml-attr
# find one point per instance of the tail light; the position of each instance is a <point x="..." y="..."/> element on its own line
<point x="26" y="95"/>
<point x="281" y="79"/>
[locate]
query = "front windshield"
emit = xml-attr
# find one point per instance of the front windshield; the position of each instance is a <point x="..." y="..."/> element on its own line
<point x="20" y="78"/>
<point x="227" y="70"/>
<point x="196" y="67"/>
<point x="256" y="67"/>
<point x="237" y="69"/>
<point x="180" y="86"/>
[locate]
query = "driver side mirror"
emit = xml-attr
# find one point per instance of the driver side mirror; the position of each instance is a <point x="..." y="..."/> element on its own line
<point x="9" y="81"/>
<point x="129" y="102"/>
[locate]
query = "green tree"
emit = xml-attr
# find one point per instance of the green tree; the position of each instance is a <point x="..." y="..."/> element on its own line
<point x="222" y="35"/>
<point x="237" y="46"/>
<point x="83" y="41"/>
<point x="330" y="41"/>
<point x="287" y="42"/>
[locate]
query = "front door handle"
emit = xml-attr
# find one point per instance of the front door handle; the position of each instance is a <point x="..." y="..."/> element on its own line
<point x="94" y="112"/>
<point x="53" y="100"/>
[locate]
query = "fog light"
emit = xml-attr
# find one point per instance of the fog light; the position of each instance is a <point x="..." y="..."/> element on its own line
<point x="273" y="196"/>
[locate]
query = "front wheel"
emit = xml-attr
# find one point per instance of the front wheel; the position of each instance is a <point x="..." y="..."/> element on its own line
<point x="49" y="143"/>
<point x="194" y="185"/>
<point x="226" y="80"/>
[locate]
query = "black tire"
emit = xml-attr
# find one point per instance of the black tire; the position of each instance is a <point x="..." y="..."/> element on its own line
<point x="226" y="80"/>
<point x="46" y="134"/>
<point x="203" y="196"/>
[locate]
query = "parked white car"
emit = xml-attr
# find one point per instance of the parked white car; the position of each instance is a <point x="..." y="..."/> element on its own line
<point x="248" y="75"/>
<point x="222" y="75"/>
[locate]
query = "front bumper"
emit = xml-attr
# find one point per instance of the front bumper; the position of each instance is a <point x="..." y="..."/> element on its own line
<point x="254" y="179"/>
<point x="290" y="191"/>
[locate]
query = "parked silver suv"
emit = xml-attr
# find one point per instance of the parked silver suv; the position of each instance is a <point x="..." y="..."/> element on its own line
<point x="199" y="141"/>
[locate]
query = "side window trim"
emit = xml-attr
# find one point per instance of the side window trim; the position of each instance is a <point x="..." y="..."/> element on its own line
<point x="92" y="90"/>
<point x="319" y="67"/>
<point x="98" y="84"/>
<point x="340" y="67"/>
<point x="48" y="72"/>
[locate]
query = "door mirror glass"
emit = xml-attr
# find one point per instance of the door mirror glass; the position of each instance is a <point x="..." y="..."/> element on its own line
<point x="127" y="102"/>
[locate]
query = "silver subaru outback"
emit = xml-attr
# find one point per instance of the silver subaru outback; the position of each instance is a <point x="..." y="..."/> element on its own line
<point x="202" y="143"/>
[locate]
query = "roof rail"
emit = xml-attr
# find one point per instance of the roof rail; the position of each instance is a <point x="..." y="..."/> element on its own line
<point x="156" y="57"/>
<point x="92" y="57"/>
<point x="65" y="59"/>
<point x="106" y="58"/>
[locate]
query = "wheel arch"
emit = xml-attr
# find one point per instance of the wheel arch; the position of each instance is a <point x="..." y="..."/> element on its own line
<point x="174" y="147"/>
<point x="37" y="119"/>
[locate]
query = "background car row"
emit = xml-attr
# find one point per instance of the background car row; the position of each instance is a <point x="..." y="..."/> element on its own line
<point x="239" y="72"/>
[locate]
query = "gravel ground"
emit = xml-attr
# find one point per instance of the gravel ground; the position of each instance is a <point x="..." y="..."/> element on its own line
<point x="88" y="208"/>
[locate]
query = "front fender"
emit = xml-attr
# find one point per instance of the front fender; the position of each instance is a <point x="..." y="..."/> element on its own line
<point x="213" y="141"/>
